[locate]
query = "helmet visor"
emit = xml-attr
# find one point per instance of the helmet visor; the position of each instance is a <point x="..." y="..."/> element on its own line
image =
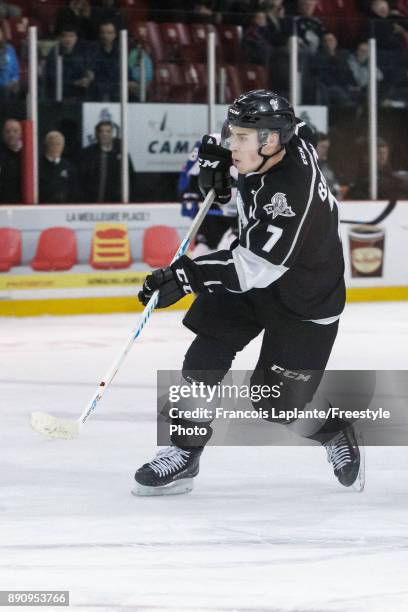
<point x="243" y="139"/>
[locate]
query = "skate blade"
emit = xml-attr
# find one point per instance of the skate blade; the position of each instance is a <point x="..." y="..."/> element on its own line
<point x="359" y="483"/>
<point x="174" y="488"/>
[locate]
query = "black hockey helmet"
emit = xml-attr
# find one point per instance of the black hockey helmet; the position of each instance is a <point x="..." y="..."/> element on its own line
<point x="263" y="109"/>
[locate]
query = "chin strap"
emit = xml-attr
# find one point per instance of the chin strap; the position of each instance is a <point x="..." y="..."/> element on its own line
<point x="266" y="158"/>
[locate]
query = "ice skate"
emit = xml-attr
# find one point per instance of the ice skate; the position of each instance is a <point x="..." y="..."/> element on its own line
<point x="171" y="472"/>
<point x="346" y="454"/>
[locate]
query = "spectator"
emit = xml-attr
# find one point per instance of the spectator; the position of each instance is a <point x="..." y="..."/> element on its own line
<point x="58" y="176"/>
<point x="9" y="69"/>
<point x="334" y="78"/>
<point x="390" y="186"/>
<point x="104" y="64"/>
<point x="322" y="148"/>
<point x="101" y="167"/>
<point x="10" y="163"/>
<point x="203" y="11"/>
<point x="310" y="28"/>
<point x="256" y="47"/>
<point x="76" y="77"/>
<point x="136" y="56"/>
<point x="239" y="12"/>
<point x="108" y="11"/>
<point x="76" y="15"/>
<point x="358" y="64"/>
<point x="278" y="27"/>
<point x="9" y="10"/>
<point x="389" y="34"/>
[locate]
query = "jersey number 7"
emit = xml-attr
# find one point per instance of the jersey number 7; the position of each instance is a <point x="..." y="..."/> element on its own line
<point x="276" y="234"/>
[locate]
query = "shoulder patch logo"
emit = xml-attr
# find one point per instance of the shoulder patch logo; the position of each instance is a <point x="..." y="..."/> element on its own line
<point x="279" y="206"/>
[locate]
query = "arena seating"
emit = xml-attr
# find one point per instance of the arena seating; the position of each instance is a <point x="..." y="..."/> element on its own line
<point x="170" y="85"/>
<point x="230" y="37"/>
<point x="195" y="75"/>
<point x="343" y="18"/>
<point x="10" y="248"/>
<point x="253" y="77"/>
<point x="56" y="250"/>
<point x="233" y="86"/>
<point x="148" y="34"/>
<point x="176" y="41"/>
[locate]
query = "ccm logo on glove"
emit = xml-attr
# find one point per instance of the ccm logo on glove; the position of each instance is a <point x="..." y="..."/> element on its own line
<point x="206" y="163"/>
<point x="173" y="282"/>
<point x="182" y="277"/>
<point x="215" y="163"/>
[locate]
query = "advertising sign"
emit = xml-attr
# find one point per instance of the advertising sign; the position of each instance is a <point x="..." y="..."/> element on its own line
<point x="162" y="135"/>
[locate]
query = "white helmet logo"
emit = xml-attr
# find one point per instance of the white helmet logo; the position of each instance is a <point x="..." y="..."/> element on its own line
<point x="279" y="206"/>
<point x="275" y="104"/>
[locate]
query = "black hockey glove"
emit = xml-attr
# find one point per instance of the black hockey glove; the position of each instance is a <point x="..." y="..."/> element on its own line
<point x="215" y="163"/>
<point x="173" y="283"/>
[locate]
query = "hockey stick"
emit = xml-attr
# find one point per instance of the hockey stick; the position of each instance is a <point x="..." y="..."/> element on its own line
<point x="55" y="427"/>
<point x="387" y="210"/>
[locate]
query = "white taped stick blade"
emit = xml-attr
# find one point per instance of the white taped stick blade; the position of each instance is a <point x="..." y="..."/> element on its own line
<point x="54" y="427"/>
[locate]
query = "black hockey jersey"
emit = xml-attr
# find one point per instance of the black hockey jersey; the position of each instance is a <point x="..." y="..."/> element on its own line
<point x="289" y="247"/>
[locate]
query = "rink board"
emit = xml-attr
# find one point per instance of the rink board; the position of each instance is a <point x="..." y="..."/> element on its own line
<point x="376" y="267"/>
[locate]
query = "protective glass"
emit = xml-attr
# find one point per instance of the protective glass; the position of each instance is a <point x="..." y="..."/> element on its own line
<point x="241" y="139"/>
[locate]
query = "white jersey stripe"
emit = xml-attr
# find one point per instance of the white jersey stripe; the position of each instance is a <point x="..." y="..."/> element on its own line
<point x="299" y="125"/>
<point x="255" y="207"/>
<point x="216" y="262"/>
<point x="254" y="271"/>
<point x="311" y="192"/>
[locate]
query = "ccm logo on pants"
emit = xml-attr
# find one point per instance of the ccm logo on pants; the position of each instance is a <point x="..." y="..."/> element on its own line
<point x="290" y="374"/>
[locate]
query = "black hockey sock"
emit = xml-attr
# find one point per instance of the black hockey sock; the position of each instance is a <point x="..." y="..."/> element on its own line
<point x="328" y="430"/>
<point x="207" y="360"/>
<point x="206" y="363"/>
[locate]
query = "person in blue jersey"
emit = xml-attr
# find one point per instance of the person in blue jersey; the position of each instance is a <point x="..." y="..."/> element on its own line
<point x="283" y="275"/>
<point x="220" y="227"/>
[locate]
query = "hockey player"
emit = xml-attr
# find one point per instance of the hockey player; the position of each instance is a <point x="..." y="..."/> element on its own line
<point x="219" y="228"/>
<point x="283" y="276"/>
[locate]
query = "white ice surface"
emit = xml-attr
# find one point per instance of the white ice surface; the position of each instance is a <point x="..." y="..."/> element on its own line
<point x="264" y="529"/>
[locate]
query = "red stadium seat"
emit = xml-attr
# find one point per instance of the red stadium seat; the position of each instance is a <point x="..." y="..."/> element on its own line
<point x="10" y="248"/>
<point x="199" y="36"/>
<point x="233" y="87"/>
<point x="148" y="34"/>
<point x="160" y="244"/>
<point x="253" y="77"/>
<point x="136" y="9"/>
<point x="342" y="17"/>
<point x="195" y="76"/>
<point x="170" y="85"/>
<point x="230" y="37"/>
<point x="56" y="250"/>
<point x="176" y="41"/>
<point x="46" y="12"/>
